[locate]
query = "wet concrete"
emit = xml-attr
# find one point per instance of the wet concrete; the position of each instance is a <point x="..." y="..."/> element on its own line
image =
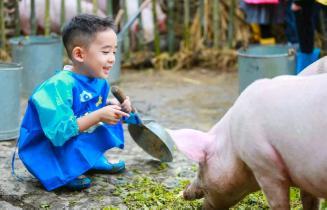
<point x="185" y="99"/>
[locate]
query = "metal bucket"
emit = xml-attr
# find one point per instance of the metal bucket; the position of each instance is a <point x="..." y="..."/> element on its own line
<point x="40" y="57"/>
<point x="259" y="61"/>
<point x="10" y="100"/>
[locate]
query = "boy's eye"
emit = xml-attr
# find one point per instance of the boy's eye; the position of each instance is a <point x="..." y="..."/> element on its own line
<point x="105" y="52"/>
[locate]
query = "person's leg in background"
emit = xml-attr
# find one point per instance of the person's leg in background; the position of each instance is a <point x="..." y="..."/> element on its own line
<point x="322" y="5"/>
<point x="266" y="34"/>
<point x="305" y="30"/>
<point x="259" y="16"/>
<point x="255" y="32"/>
<point x="290" y="25"/>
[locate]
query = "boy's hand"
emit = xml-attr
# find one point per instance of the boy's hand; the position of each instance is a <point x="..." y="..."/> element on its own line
<point x="111" y="114"/>
<point x="112" y="101"/>
<point x="127" y="105"/>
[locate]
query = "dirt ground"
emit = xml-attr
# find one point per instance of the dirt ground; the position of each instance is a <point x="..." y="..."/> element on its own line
<point x="185" y="99"/>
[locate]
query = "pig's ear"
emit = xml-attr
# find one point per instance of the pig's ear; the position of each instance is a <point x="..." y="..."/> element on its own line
<point x="193" y="143"/>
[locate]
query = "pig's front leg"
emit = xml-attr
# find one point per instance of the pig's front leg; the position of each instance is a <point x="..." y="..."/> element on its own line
<point x="276" y="191"/>
<point x="208" y="206"/>
<point x="193" y="191"/>
<point x="271" y="174"/>
<point x="309" y="202"/>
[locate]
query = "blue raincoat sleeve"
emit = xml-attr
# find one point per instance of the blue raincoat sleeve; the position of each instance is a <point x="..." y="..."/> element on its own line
<point x="53" y="102"/>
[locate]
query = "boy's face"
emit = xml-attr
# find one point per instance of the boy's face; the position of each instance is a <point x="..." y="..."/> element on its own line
<point x="99" y="57"/>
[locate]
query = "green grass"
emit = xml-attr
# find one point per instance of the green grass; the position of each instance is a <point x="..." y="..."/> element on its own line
<point x="258" y="201"/>
<point x="143" y="192"/>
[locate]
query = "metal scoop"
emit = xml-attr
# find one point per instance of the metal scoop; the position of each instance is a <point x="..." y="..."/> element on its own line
<point x="148" y="134"/>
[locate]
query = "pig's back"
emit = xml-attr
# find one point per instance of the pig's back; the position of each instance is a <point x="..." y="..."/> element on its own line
<point x="289" y="113"/>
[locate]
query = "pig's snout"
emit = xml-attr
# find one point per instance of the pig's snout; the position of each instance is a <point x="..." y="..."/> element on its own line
<point x="193" y="192"/>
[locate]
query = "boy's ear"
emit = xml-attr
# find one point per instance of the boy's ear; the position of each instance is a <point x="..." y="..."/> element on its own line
<point x="78" y="54"/>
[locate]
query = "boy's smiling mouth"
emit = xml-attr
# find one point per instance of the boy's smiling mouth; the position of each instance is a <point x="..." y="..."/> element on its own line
<point x="106" y="69"/>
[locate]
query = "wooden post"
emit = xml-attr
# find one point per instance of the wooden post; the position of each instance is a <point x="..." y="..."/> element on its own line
<point x="95" y="7"/>
<point x="156" y="31"/>
<point x="231" y="23"/>
<point x="2" y="25"/>
<point x="140" y="37"/>
<point x="201" y="8"/>
<point x="109" y="8"/>
<point x="33" y="18"/>
<point x="62" y="13"/>
<point x="47" y="23"/>
<point x="79" y="7"/>
<point x="216" y="25"/>
<point x="126" y="36"/>
<point x="206" y="20"/>
<point x="17" y="20"/>
<point x="186" y="23"/>
<point x="171" y="34"/>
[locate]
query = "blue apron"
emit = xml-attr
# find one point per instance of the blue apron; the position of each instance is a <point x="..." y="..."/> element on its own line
<point x="57" y="163"/>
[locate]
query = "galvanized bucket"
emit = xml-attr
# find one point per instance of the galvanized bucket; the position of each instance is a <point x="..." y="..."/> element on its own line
<point x="10" y="100"/>
<point x="40" y="57"/>
<point x="259" y="61"/>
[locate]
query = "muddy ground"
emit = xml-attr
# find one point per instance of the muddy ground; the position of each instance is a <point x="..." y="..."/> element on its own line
<point x="184" y="99"/>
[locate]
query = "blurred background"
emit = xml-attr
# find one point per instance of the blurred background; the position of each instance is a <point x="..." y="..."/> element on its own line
<point x="167" y="34"/>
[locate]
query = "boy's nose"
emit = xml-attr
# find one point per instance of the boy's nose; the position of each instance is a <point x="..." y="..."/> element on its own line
<point x="111" y="59"/>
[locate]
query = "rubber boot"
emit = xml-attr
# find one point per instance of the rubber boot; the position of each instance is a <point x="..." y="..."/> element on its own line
<point x="104" y="166"/>
<point x="256" y="32"/>
<point x="79" y="183"/>
<point x="268" y="41"/>
<point x="305" y="59"/>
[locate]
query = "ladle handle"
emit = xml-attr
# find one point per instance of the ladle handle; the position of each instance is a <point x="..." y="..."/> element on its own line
<point x="119" y="94"/>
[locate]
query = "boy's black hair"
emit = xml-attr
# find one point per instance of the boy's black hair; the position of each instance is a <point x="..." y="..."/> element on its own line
<point x="81" y="30"/>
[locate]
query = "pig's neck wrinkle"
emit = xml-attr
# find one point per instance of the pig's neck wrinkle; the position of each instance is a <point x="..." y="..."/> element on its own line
<point x="280" y="163"/>
<point x="236" y="172"/>
<point x="223" y="147"/>
<point x="222" y="154"/>
<point x="233" y="185"/>
<point x="242" y="183"/>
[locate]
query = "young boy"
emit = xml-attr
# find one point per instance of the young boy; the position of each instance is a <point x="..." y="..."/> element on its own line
<point x="68" y="123"/>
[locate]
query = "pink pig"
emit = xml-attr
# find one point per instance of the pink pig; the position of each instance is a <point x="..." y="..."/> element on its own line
<point x="55" y="12"/>
<point x="318" y="67"/>
<point x="273" y="137"/>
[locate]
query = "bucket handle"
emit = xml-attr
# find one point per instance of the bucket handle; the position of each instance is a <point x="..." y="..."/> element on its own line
<point x="291" y="52"/>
